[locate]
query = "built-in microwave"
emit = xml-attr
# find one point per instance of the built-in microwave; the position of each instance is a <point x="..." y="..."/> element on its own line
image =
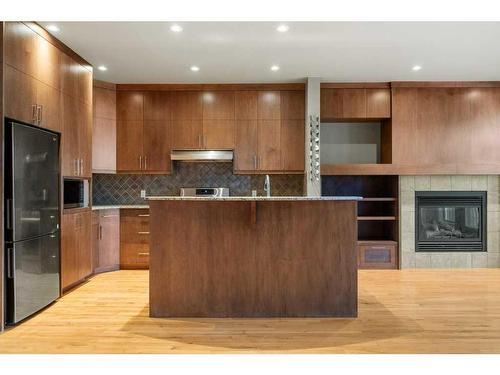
<point x="76" y="193"/>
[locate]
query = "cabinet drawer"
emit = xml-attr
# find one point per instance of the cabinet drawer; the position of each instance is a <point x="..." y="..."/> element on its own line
<point x="377" y="255"/>
<point x="134" y="255"/>
<point x="134" y="238"/>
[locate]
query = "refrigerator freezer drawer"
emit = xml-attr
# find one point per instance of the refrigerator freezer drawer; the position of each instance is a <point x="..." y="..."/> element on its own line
<point x="32" y="277"/>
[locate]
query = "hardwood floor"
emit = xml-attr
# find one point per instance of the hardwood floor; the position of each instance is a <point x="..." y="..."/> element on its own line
<point x="410" y="311"/>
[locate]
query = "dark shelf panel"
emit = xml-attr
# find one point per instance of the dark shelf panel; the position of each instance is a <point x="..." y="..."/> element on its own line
<point x="371" y="218"/>
<point x="381" y="199"/>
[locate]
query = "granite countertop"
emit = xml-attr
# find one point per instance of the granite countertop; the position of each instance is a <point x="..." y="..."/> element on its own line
<point x="114" y="207"/>
<point x="259" y="198"/>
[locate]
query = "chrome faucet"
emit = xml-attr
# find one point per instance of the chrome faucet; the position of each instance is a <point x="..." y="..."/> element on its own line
<point x="267" y="186"/>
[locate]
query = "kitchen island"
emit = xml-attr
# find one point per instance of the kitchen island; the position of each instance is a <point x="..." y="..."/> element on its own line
<point x="253" y="257"/>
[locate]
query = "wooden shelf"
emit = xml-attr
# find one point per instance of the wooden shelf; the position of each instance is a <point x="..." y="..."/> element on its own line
<point x="373" y="218"/>
<point x="381" y="242"/>
<point x="381" y="199"/>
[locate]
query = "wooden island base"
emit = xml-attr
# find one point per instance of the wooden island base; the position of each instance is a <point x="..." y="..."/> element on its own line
<point x="230" y="258"/>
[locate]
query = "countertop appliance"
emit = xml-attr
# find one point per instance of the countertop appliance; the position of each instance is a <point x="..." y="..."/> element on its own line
<point x="32" y="246"/>
<point x="76" y="193"/>
<point x="205" y="192"/>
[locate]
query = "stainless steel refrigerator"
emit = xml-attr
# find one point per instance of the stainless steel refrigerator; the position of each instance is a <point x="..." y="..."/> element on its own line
<point x="32" y="246"/>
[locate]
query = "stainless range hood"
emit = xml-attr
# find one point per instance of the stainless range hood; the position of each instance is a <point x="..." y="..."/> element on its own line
<point x="202" y="155"/>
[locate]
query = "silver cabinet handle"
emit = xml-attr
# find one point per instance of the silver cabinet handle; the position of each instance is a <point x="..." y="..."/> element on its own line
<point x="255" y="162"/>
<point x="140" y="162"/>
<point x="81" y="166"/>
<point x="34" y="114"/>
<point x="100" y="232"/>
<point x="40" y="111"/>
<point x="143" y="215"/>
<point x="75" y="167"/>
<point x="145" y="162"/>
<point x="142" y="254"/>
<point x="142" y="232"/>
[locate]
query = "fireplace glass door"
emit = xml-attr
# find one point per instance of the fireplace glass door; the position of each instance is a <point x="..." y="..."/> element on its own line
<point x="450" y="221"/>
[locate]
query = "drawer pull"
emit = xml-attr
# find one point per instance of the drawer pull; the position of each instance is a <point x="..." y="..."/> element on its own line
<point x="143" y="215"/>
<point x="109" y="216"/>
<point x="142" y="232"/>
<point x="143" y="254"/>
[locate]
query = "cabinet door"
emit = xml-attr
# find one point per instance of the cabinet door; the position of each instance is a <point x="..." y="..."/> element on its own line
<point x="187" y="134"/>
<point x="69" y="250"/>
<point x="353" y="103"/>
<point x="218" y="119"/>
<point x="134" y="239"/>
<point x="104" y="130"/>
<point x="331" y="104"/>
<point x="69" y="75"/>
<point x="187" y="105"/>
<point x="20" y="95"/>
<point x="109" y="241"/>
<point x="269" y="145"/>
<point x="96" y="236"/>
<point x="49" y="102"/>
<point x="129" y="146"/>
<point x="293" y="105"/>
<point x="20" y="47"/>
<point x="269" y="106"/>
<point x="245" y="158"/>
<point x="85" y="138"/>
<point x="218" y="134"/>
<point x="85" y="244"/>
<point x="378" y="103"/>
<point x="84" y="85"/>
<point x="48" y="68"/>
<point x="293" y="145"/>
<point x="129" y="106"/>
<point x="157" y="106"/>
<point x="157" y="146"/>
<point x="246" y="105"/>
<point x="70" y="144"/>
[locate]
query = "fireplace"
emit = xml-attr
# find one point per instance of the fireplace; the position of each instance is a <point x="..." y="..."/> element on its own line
<point x="450" y="221"/>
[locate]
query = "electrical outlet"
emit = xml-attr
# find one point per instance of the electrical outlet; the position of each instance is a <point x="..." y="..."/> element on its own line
<point x="143" y="193"/>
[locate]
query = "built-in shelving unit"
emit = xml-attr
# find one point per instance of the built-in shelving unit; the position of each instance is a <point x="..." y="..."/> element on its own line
<point x="378" y="216"/>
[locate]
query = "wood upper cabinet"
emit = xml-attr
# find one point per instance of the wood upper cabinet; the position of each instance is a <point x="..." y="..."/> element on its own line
<point x="76" y="251"/>
<point x="355" y="103"/>
<point x="218" y="120"/>
<point x="48" y="100"/>
<point x="129" y="106"/>
<point x="20" y="103"/>
<point x="187" y="120"/>
<point x="158" y="106"/>
<point x="85" y="139"/>
<point x="106" y="240"/>
<point x="129" y="149"/>
<point x="104" y="129"/>
<point x="20" y="47"/>
<point x="156" y="146"/>
<point x="70" y="142"/>
<point x="269" y="131"/>
<point x="378" y="103"/>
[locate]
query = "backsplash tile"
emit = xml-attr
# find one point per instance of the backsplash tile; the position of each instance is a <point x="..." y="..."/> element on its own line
<point x="125" y="188"/>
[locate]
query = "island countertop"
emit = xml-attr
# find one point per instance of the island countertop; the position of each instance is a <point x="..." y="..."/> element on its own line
<point x="250" y="198"/>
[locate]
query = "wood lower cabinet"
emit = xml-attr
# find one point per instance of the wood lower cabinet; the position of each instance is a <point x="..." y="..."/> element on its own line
<point x="377" y="254"/>
<point x="76" y="248"/>
<point x="134" y="239"/>
<point x="106" y="240"/>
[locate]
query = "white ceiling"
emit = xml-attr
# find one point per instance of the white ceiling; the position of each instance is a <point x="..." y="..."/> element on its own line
<point x="232" y="52"/>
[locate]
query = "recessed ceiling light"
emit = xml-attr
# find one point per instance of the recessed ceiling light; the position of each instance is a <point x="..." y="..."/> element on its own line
<point x="194" y="68"/>
<point x="102" y="68"/>
<point x="53" y="28"/>
<point x="416" y="68"/>
<point x="282" y="28"/>
<point x="176" y="28"/>
<point x="275" y="68"/>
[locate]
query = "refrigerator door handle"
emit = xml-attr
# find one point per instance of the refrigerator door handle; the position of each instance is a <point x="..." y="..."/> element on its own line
<point x="8" y="208"/>
<point x="10" y="263"/>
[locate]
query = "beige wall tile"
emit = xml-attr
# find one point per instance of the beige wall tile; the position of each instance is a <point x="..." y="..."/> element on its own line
<point x="493" y="260"/>
<point x="407" y="183"/>
<point x="479" y="260"/>
<point x="493" y="201"/>
<point x="408" y="222"/>
<point x="493" y="221"/>
<point x="494" y="183"/>
<point x="441" y="260"/>
<point x="493" y="240"/>
<point x="408" y="242"/>
<point x="461" y="183"/>
<point x="407" y="260"/>
<point x="440" y="183"/>
<point x="422" y="183"/>
<point x="479" y="183"/>
<point x="461" y="260"/>
<point x="407" y="199"/>
<point x="422" y="260"/>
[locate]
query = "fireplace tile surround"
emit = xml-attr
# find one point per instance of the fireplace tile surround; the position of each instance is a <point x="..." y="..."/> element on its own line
<point x="409" y="258"/>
